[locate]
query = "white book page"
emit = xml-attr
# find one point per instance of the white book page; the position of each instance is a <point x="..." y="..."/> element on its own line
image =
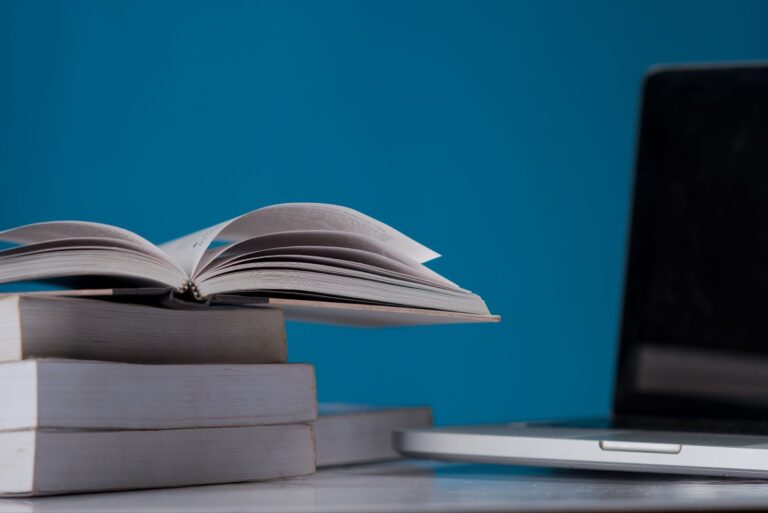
<point x="90" y="261"/>
<point x="339" y="256"/>
<point x="63" y="233"/>
<point x="353" y="285"/>
<point x="217" y="255"/>
<point x="77" y="248"/>
<point x="188" y="251"/>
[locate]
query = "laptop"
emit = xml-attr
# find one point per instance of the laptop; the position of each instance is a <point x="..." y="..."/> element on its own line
<point x="691" y="390"/>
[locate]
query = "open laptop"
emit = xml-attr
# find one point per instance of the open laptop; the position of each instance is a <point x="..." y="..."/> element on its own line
<point x="691" y="392"/>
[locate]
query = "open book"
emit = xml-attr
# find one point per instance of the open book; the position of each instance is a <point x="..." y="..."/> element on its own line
<point x="296" y="251"/>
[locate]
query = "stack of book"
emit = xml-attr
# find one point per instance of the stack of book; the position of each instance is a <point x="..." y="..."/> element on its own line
<point x="97" y="395"/>
<point x="167" y="365"/>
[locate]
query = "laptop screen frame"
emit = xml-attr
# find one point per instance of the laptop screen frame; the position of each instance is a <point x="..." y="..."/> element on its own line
<point x="627" y="400"/>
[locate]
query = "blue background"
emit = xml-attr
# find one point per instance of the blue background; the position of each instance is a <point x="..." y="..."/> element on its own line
<point x="497" y="133"/>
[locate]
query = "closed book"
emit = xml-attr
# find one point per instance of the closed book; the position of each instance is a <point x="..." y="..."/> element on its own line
<point x="46" y="462"/>
<point x="352" y="433"/>
<point x="106" y="395"/>
<point x="38" y="326"/>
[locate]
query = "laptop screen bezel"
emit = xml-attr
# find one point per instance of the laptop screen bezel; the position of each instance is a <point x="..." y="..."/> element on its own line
<point x="627" y="402"/>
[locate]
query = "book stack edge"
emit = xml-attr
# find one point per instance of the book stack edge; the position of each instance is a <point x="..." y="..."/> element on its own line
<point x="105" y="396"/>
<point x="98" y="396"/>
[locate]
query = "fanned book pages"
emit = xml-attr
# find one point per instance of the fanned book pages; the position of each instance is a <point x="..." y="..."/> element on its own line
<point x="302" y="254"/>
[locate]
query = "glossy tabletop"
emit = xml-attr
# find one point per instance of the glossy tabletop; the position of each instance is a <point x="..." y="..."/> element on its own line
<point x="424" y="486"/>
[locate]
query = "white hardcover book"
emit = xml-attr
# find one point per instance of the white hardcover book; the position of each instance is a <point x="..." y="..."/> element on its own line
<point x="46" y="462"/>
<point x="40" y="326"/>
<point x="351" y="433"/>
<point x="105" y="395"/>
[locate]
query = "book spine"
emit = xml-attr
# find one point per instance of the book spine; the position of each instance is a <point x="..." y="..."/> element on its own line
<point x="189" y="291"/>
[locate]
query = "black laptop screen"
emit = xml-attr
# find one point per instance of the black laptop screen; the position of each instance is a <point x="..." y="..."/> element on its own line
<point x="694" y="340"/>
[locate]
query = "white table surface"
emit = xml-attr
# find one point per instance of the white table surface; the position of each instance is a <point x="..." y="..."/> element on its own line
<point x="425" y="486"/>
